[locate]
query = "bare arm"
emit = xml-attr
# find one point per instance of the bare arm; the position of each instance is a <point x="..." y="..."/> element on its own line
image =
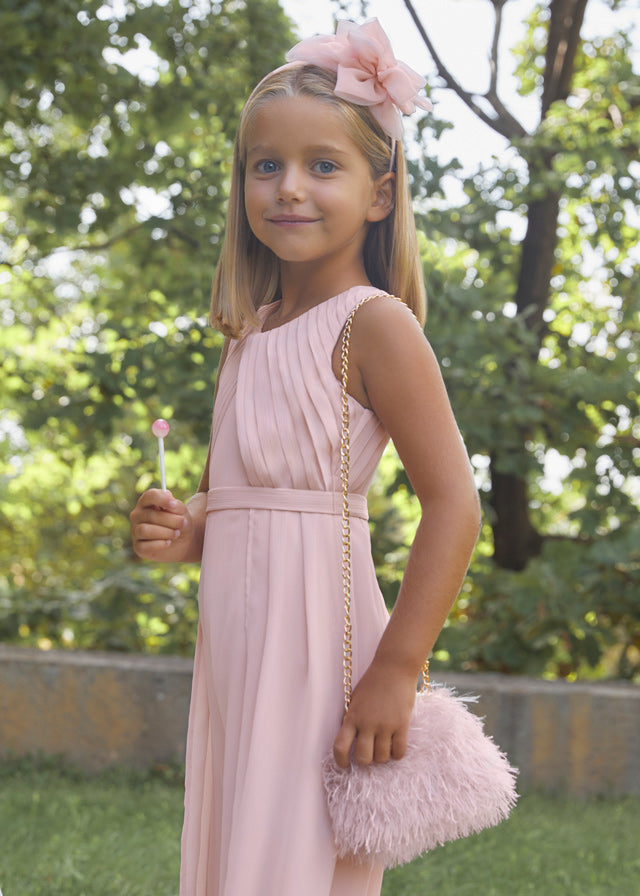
<point x="165" y="529"/>
<point x="396" y="374"/>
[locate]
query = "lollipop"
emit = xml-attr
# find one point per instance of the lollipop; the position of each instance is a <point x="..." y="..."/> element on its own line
<point x="160" y="428"/>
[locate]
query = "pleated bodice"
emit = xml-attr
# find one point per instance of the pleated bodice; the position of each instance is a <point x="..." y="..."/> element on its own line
<point x="280" y="387"/>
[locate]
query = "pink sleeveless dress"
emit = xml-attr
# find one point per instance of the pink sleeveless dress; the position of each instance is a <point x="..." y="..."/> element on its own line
<point x="267" y="697"/>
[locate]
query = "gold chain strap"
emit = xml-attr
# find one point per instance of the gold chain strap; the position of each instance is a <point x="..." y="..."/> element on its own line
<point x="345" y="450"/>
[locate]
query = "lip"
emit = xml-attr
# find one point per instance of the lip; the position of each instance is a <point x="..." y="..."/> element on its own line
<point x="291" y="220"/>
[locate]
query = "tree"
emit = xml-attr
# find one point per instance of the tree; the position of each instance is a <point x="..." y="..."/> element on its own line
<point x="542" y="349"/>
<point x="111" y="211"/>
<point x="116" y="129"/>
<point x="568" y="76"/>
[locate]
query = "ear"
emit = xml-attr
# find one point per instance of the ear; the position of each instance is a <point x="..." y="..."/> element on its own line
<point x="384" y="197"/>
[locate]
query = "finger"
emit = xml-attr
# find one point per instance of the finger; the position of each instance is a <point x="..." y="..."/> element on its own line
<point x="152" y="532"/>
<point x="154" y="523"/>
<point x="164" y="518"/>
<point x="154" y="516"/>
<point x="382" y="748"/>
<point x="162" y="499"/>
<point x="342" y="745"/>
<point x="363" y="752"/>
<point x="152" y="550"/>
<point x="398" y="746"/>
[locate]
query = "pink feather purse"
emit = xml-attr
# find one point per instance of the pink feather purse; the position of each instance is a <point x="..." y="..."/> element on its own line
<point x="453" y="780"/>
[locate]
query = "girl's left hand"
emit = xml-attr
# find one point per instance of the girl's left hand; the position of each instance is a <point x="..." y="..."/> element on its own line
<point x="376" y="725"/>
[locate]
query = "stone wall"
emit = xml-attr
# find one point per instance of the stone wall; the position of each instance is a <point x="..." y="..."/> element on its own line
<point x="95" y="709"/>
<point x="102" y="709"/>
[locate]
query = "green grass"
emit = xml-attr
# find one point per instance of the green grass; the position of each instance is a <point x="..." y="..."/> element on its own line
<point x="118" y="835"/>
<point x="66" y="835"/>
<point x="548" y="847"/>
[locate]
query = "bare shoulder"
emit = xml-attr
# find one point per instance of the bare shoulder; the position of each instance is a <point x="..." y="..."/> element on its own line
<point x="385" y="331"/>
<point x="388" y="348"/>
<point x="383" y="315"/>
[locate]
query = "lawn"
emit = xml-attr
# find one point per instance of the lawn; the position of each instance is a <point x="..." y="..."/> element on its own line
<point x="118" y="835"/>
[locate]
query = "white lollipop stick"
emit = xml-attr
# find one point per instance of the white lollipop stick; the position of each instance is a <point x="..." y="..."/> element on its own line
<point x="160" y="428"/>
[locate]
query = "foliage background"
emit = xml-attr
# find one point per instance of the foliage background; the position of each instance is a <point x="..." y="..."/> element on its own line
<point x="112" y="210"/>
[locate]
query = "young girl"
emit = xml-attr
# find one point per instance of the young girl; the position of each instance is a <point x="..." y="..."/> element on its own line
<point x="319" y="218"/>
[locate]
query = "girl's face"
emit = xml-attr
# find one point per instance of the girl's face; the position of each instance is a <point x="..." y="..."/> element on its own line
<point x="309" y="191"/>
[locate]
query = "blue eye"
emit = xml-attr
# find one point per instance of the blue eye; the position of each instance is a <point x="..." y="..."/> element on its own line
<point x="325" y="167"/>
<point x="266" y="166"/>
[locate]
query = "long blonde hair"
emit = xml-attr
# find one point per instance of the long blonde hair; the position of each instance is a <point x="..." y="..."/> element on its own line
<point x="248" y="273"/>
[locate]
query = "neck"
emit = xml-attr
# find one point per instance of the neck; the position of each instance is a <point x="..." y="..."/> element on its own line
<point x="304" y="286"/>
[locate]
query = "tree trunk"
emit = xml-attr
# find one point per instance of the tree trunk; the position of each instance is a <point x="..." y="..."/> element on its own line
<point x="565" y="25"/>
<point x="515" y="540"/>
<point x="537" y="260"/>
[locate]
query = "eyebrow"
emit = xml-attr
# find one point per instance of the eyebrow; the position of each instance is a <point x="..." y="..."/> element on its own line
<point x="315" y="149"/>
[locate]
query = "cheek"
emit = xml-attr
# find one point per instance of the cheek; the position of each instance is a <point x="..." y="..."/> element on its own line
<point x="253" y="202"/>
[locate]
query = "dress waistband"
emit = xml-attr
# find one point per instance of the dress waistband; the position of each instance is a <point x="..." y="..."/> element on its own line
<point x="247" y="497"/>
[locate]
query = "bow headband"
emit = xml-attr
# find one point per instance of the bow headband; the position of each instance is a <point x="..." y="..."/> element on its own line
<point x="368" y="74"/>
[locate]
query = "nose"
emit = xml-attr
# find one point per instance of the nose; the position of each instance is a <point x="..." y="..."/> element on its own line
<point x="291" y="184"/>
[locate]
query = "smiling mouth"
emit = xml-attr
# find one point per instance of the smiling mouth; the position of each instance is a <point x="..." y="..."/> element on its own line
<point x="291" y="220"/>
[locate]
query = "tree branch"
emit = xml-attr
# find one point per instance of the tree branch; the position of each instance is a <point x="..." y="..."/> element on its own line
<point x="623" y="440"/>
<point x="495" y="45"/>
<point x="504" y="123"/>
<point x="107" y="244"/>
<point x="492" y="93"/>
<point x="118" y="237"/>
<point x="181" y="235"/>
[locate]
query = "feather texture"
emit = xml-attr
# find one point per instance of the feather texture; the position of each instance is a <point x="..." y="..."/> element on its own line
<point x="452" y="782"/>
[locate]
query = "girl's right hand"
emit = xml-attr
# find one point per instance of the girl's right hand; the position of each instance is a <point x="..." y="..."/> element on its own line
<point x="161" y="527"/>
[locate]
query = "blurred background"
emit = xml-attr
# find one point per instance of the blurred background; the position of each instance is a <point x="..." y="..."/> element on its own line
<point x="117" y="122"/>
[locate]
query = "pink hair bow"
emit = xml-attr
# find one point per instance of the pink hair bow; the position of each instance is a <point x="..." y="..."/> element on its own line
<point x="368" y="72"/>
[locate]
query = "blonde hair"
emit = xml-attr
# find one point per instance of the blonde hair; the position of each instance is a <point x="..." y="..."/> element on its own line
<point x="248" y="273"/>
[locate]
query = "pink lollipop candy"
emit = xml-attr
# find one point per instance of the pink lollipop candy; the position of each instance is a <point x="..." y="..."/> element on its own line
<point x="160" y="428"/>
